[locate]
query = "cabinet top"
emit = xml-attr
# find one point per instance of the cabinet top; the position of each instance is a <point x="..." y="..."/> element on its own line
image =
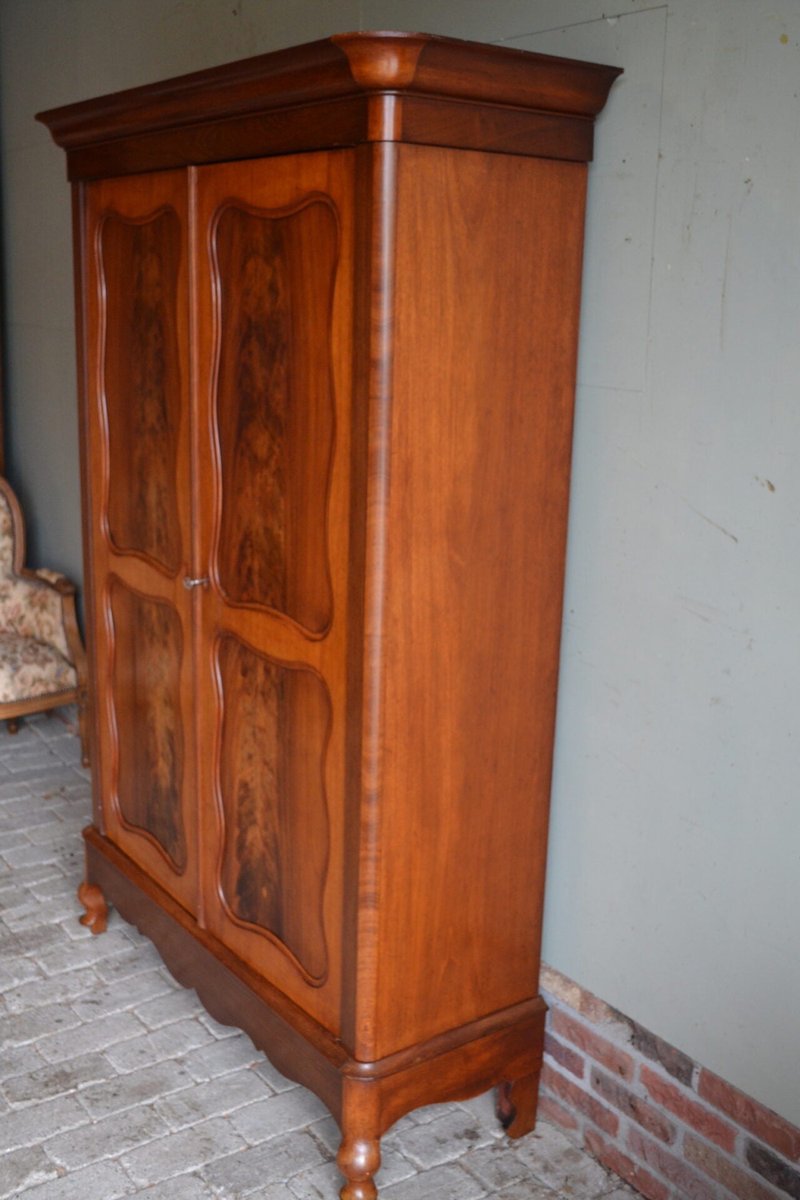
<point x="344" y="90"/>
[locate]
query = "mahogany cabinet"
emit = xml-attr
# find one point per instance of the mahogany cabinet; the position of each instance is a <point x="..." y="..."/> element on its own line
<point x="328" y="309"/>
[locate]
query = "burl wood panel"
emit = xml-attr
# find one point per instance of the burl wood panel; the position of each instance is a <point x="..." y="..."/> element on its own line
<point x="276" y="724"/>
<point x="148" y="733"/>
<point x="275" y="274"/>
<point x="485" y="324"/>
<point x="139" y="263"/>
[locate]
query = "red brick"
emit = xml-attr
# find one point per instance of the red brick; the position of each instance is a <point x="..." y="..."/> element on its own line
<point x="575" y="997"/>
<point x="712" y="1163"/>
<point x="596" y="1047"/>
<point x="653" y="1154"/>
<point x="565" y="1056"/>
<point x="597" y="1012"/>
<point x="674" y="1062"/>
<point x="775" y="1170"/>
<point x="688" y="1110"/>
<point x="551" y="1110"/>
<point x="568" y="1091"/>
<point x="616" y="1094"/>
<point x="765" y="1124"/>
<point x="634" y="1174"/>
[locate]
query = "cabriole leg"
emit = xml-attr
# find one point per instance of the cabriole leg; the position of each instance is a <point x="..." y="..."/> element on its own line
<point x="93" y="900"/>
<point x="359" y="1154"/>
<point x="358" y="1160"/>
<point x="517" y="1101"/>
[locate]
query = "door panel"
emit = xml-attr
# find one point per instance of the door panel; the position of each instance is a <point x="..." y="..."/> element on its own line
<point x="147" y="658"/>
<point x="274" y="273"/>
<point x="137" y="473"/>
<point x="276" y="827"/>
<point x="274" y="407"/>
<point x="139" y="263"/>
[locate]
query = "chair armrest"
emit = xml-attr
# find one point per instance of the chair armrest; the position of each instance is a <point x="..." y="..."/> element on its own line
<point x="57" y="580"/>
<point x="36" y="606"/>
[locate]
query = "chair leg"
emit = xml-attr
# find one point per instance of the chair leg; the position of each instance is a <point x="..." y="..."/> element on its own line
<point x="12" y="724"/>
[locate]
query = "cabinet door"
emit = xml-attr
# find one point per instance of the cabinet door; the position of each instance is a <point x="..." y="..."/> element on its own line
<point x="137" y="488"/>
<point x="274" y="286"/>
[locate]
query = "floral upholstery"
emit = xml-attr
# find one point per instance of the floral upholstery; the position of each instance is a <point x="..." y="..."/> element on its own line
<point x="31" y="609"/>
<point x="42" y="663"/>
<point x="30" y="668"/>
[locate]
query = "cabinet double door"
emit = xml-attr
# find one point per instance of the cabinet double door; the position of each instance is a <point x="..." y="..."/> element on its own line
<point x="218" y="310"/>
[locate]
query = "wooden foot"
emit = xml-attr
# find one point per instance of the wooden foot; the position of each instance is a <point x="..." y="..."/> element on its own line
<point x="516" y="1105"/>
<point x="358" y="1160"/>
<point x="360" y="1152"/>
<point x="93" y="900"/>
<point x="12" y="724"/>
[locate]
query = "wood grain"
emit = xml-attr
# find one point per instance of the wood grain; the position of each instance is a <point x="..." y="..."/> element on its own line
<point x="136" y="474"/>
<point x="478" y="476"/>
<point x="149" y="737"/>
<point x="275" y="732"/>
<point x="274" y="277"/>
<point x="303" y="211"/>
<point x="324" y="94"/>
<point x="139" y="263"/>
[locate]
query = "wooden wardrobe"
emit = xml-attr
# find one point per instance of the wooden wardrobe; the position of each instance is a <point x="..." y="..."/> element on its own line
<point x="328" y="311"/>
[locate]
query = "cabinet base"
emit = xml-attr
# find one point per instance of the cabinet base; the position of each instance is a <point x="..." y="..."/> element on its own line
<point x="365" y="1098"/>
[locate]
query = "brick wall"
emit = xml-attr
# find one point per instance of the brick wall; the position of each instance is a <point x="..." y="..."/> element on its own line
<point x="669" y="1127"/>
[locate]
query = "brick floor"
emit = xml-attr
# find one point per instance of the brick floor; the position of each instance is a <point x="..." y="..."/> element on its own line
<point x="115" y="1082"/>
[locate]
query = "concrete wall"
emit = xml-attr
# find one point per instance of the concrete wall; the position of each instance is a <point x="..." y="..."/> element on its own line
<point x="674" y="886"/>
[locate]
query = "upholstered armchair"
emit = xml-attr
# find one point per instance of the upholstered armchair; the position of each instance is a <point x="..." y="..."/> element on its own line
<point x="42" y="660"/>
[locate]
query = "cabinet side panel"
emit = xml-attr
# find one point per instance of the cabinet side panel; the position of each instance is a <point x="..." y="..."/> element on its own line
<point x="487" y="299"/>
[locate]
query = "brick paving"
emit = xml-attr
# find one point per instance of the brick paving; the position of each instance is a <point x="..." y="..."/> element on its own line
<point x="115" y="1082"/>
